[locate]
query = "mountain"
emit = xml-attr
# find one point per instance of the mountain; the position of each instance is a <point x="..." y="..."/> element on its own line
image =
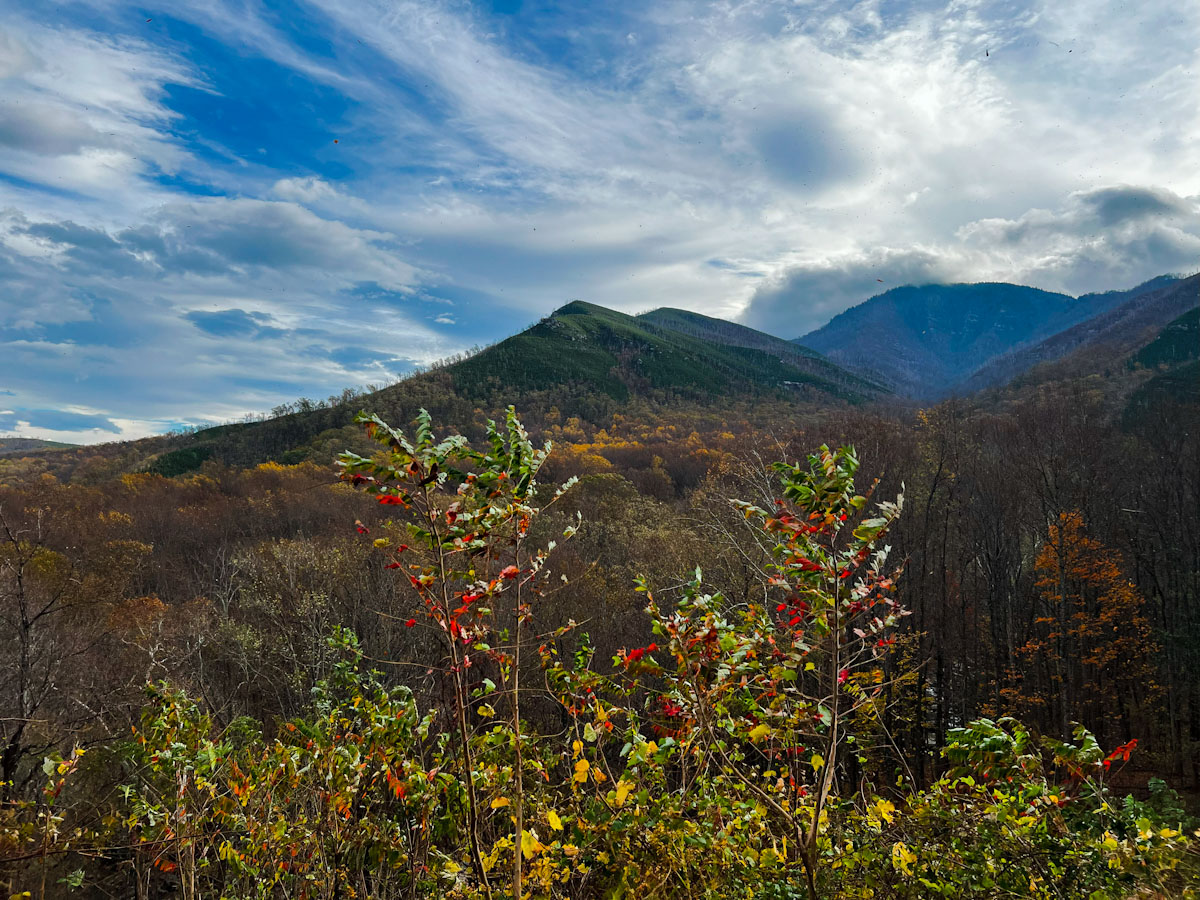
<point x="620" y="355"/>
<point x="13" y="445"/>
<point x="1141" y="314"/>
<point x="582" y="362"/>
<point x="731" y="334"/>
<point x="925" y="341"/>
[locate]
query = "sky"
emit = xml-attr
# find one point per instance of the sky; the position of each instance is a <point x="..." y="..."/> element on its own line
<point x="211" y="208"/>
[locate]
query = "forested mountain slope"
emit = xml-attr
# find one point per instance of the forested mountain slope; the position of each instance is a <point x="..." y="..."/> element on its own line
<point x="583" y="361"/>
<point x="1173" y="393"/>
<point x="924" y="341"/>
<point x="731" y="334"/>
<point x="621" y="355"/>
<point x="1116" y="332"/>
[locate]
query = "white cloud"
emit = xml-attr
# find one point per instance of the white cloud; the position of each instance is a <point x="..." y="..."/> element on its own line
<point x="85" y="113"/>
<point x="775" y="160"/>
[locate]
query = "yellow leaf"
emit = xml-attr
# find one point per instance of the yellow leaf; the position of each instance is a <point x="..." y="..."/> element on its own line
<point x="817" y="762"/>
<point x="499" y="802"/>
<point x="529" y="845"/>
<point x="623" y="789"/>
<point x="886" y="810"/>
<point x="581" y="770"/>
<point x="555" y="821"/>
<point x="577" y="747"/>
<point x="758" y="732"/>
<point x="486" y="710"/>
<point x="902" y="858"/>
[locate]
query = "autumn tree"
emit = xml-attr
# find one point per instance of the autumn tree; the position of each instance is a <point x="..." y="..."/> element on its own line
<point x="1091" y="639"/>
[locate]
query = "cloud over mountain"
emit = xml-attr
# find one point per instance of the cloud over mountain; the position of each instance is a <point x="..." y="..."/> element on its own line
<point x="340" y="190"/>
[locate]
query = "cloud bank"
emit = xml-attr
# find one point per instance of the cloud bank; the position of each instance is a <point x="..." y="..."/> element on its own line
<point x="228" y="206"/>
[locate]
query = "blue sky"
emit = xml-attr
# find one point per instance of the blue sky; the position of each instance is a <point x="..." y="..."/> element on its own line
<point x="209" y="208"/>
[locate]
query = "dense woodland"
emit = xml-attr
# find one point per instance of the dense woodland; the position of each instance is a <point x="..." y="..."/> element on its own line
<point x="1046" y="566"/>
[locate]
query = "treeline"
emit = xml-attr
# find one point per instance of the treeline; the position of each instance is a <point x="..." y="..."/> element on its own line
<point x="1053" y="558"/>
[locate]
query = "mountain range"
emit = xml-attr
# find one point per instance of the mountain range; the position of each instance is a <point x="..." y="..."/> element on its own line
<point x="664" y="350"/>
<point x="926" y="342"/>
<point x="907" y="345"/>
<point x="1121" y="329"/>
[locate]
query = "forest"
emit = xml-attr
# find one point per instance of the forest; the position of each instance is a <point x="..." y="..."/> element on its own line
<point x="655" y="645"/>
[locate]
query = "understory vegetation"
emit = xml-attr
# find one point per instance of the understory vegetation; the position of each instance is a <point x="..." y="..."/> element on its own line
<point x="445" y="701"/>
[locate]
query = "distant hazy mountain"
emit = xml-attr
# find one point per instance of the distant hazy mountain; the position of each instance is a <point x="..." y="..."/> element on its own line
<point x="14" y="445"/>
<point x="926" y="341"/>
<point x="1120" y="330"/>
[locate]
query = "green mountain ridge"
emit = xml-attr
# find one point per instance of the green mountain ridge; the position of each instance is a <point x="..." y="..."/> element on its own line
<point x="582" y="360"/>
<point x="1178" y="342"/>
<point x="666" y="350"/>
<point x="732" y="334"/>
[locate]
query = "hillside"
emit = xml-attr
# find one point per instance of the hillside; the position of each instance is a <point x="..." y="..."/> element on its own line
<point x="620" y="355"/>
<point x="923" y="341"/>
<point x="731" y="334"/>
<point x="10" y="445"/>
<point x="1178" y="342"/>
<point x="1143" y="312"/>
<point x="1172" y="395"/>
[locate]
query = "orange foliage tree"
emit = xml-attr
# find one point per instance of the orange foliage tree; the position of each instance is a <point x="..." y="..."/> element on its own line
<point x="1090" y="639"/>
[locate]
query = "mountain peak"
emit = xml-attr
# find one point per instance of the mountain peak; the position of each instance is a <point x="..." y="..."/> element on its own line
<point x="582" y="308"/>
<point x="926" y="339"/>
